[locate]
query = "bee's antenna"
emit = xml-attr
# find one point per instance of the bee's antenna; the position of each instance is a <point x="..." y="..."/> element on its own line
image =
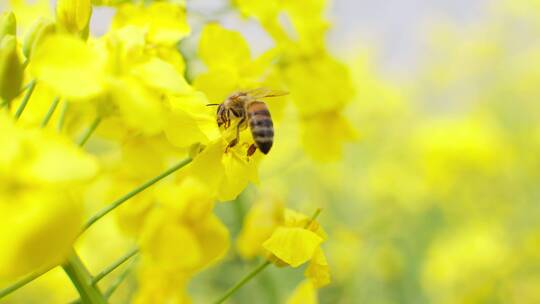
<point x="212" y="104"/>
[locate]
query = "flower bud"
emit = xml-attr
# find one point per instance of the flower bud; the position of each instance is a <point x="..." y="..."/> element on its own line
<point x="36" y="34"/>
<point x="8" y="24"/>
<point x="74" y="15"/>
<point x="11" y="69"/>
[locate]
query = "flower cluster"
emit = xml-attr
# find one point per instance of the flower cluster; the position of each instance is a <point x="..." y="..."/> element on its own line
<point x="89" y="118"/>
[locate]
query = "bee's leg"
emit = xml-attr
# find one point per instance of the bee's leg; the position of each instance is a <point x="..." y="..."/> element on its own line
<point x="227" y="119"/>
<point x="237" y="138"/>
<point x="236" y="114"/>
<point x="251" y="150"/>
<point x="221" y="116"/>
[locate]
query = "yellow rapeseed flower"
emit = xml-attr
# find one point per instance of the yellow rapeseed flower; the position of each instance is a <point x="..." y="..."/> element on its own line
<point x="306" y="16"/>
<point x="40" y="205"/>
<point x="182" y="236"/>
<point x="184" y="213"/>
<point x="303" y="62"/>
<point x="294" y="246"/>
<point x="232" y="70"/>
<point x="225" y="174"/>
<point x="164" y="23"/>
<point x="297" y="242"/>
<point x="126" y="79"/>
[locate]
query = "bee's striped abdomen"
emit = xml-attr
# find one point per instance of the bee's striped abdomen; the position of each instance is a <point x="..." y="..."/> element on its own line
<point x="261" y="126"/>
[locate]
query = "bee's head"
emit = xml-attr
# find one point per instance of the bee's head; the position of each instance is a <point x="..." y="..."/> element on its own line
<point x="220" y="115"/>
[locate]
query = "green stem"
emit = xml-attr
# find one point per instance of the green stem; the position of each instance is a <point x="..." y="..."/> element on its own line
<point x="313" y="218"/>
<point x="50" y="112"/>
<point x="243" y="282"/>
<point x="239" y="213"/>
<point x="8" y="290"/>
<point x="62" y="117"/>
<point x="25" y="99"/>
<point x="269" y="287"/>
<point x="115" y="265"/>
<point x="82" y="280"/>
<point x="134" y="192"/>
<point x="110" y="269"/>
<point x="24" y="88"/>
<point x="89" y="131"/>
<point x="119" y="280"/>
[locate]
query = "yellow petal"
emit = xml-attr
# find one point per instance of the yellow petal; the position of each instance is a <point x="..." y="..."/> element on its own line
<point x="296" y="219"/>
<point x="130" y="217"/>
<point x="123" y="47"/>
<point x="318" y="68"/>
<point x="10" y="141"/>
<point x="259" y="223"/>
<point x="327" y="125"/>
<point x="139" y="107"/>
<point x="221" y="47"/>
<point x="160" y="75"/>
<point x="40" y="29"/>
<point x="207" y="167"/>
<point x="28" y="11"/>
<point x="239" y="172"/>
<point x="262" y="10"/>
<point x="160" y="286"/>
<point x="160" y="240"/>
<point x="294" y="246"/>
<point x="74" y="15"/>
<point x="61" y="162"/>
<point x="191" y="121"/>
<point x="217" y="84"/>
<point x="190" y="200"/>
<point x="213" y="238"/>
<point x="36" y="221"/>
<point x="305" y="293"/>
<point x="318" y="271"/>
<point x="69" y="66"/>
<point x="164" y="22"/>
<point x="182" y="130"/>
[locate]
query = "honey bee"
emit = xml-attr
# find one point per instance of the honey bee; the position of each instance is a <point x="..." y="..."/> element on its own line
<point x="251" y="111"/>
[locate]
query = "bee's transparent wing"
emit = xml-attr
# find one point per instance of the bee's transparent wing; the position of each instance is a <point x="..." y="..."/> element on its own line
<point x="265" y="92"/>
